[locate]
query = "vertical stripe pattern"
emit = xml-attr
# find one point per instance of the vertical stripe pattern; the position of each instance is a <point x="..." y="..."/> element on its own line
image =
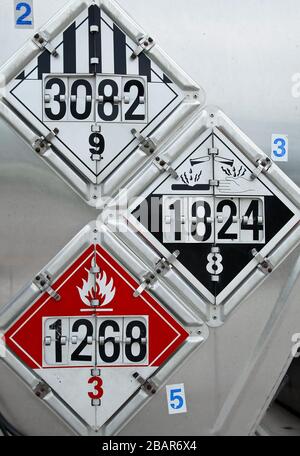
<point x="107" y="43"/>
<point x="95" y="39"/>
<point x="43" y="64"/>
<point x="70" y="49"/>
<point x="145" y="66"/>
<point x="119" y="51"/>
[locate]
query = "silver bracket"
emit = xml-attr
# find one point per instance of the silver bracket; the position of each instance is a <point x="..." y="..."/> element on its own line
<point x="162" y="267"/>
<point x="214" y="183"/>
<point x="147" y="385"/>
<point x="263" y="166"/>
<point x="41" y="39"/>
<point x="95" y="373"/>
<point x="41" y="390"/>
<point x="43" y="282"/>
<point x="264" y="264"/>
<point x="43" y="143"/>
<point x="95" y="156"/>
<point x="145" y="43"/>
<point x="164" y="166"/>
<point x="213" y="151"/>
<point x="215" y="251"/>
<point x="147" y="145"/>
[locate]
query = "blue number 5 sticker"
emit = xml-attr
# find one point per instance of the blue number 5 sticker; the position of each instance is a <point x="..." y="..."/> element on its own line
<point x="280" y="147"/>
<point x="176" y="399"/>
<point x="24" y="16"/>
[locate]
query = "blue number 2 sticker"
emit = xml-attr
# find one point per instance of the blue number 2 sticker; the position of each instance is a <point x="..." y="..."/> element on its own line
<point x="280" y="147"/>
<point x="24" y="14"/>
<point x="176" y="399"/>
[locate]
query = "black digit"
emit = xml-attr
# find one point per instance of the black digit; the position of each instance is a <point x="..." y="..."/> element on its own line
<point x="104" y="340"/>
<point x="176" y="207"/>
<point x="76" y="355"/>
<point x="58" y="346"/>
<point x="233" y="212"/>
<point x="141" y="340"/>
<point x="207" y="224"/>
<point x="88" y="106"/>
<point x="108" y="100"/>
<point x="97" y="142"/>
<point x="255" y="227"/>
<point x="141" y="93"/>
<point x="62" y="104"/>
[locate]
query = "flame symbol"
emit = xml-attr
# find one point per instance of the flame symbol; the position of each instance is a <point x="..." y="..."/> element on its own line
<point x="96" y="287"/>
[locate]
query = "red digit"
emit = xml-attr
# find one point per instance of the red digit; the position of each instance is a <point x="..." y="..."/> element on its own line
<point x="98" y="391"/>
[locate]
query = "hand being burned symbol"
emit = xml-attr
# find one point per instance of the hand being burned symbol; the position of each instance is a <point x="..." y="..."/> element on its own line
<point x="190" y="179"/>
<point x="236" y="178"/>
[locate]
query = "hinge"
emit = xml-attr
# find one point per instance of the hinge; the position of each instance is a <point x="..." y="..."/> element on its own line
<point x="214" y="266"/>
<point x="162" y="267"/>
<point x="43" y="282"/>
<point x="43" y="143"/>
<point x="263" y="166"/>
<point x="213" y="151"/>
<point x="145" y="43"/>
<point x="94" y="270"/>
<point x="264" y="264"/>
<point x="95" y="373"/>
<point x="147" y="144"/>
<point x="41" y="39"/>
<point x="214" y="183"/>
<point x="147" y="385"/>
<point x="96" y="152"/>
<point x="162" y="165"/>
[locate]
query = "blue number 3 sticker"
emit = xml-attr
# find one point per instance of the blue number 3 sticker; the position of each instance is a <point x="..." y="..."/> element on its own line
<point x="26" y="12"/>
<point x="281" y="147"/>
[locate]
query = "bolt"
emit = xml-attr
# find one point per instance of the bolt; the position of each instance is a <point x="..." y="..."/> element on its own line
<point x="41" y="40"/>
<point x="43" y="283"/>
<point x="56" y="131"/>
<point x="270" y="270"/>
<point x="38" y="150"/>
<point x="38" y="278"/>
<point x="36" y="36"/>
<point x="158" y="271"/>
<point x="150" y="40"/>
<point x="162" y="163"/>
<point x="146" y="43"/>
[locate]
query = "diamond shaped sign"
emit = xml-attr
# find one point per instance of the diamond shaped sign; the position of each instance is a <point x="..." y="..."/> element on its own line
<point x="90" y="338"/>
<point x="95" y="87"/>
<point x="227" y="208"/>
